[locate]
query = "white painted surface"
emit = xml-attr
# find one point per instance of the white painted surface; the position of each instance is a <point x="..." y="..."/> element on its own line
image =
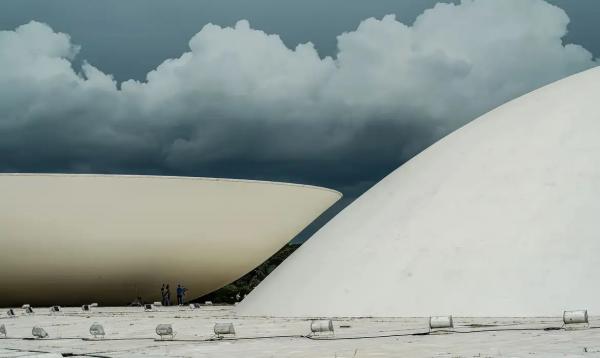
<point x="74" y="239"/>
<point x="499" y="218"/>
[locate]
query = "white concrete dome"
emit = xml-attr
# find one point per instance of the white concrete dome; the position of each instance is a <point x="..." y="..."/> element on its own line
<point x="499" y="218"/>
<point x="74" y="239"/>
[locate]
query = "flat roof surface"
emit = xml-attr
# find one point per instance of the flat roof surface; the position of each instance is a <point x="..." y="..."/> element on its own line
<point x="130" y="332"/>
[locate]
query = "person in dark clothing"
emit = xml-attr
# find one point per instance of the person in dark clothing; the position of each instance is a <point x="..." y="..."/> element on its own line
<point x="167" y="296"/>
<point x="163" y="295"/>
<point x="180" y="293"/>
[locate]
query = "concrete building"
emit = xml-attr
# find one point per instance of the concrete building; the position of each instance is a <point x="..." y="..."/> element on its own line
<point x="499" y="218"/>
<point x="73" y="239"/>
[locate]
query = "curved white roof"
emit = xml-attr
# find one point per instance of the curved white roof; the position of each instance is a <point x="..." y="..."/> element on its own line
<point x="499" y="218"/>
<point x="72" y="239"/>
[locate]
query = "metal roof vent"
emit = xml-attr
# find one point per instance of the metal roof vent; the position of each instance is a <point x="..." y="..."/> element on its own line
<point x="165" y="330"/>
<point x="576" y="319"/>
<point x="440" y="322"/>
<point x="322" y="326"/>
<point x="39" y="332"/>
<point x="222" y="329"/>
<point x="97" y="330"/>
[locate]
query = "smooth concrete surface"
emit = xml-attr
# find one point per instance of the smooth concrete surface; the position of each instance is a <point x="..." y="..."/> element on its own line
<point x="499" y="218"/>
<point x="74" y="239"/>
<point x="130" y="332"/>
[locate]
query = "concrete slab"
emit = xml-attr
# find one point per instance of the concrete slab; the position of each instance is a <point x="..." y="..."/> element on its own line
<point x="130" y="332"/>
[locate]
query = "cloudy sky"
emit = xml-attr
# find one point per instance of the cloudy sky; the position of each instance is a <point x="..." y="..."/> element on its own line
<point x="334" y="93"/>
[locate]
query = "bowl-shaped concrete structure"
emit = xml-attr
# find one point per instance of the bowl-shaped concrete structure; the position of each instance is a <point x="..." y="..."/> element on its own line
<point x="499" y="218"/>
<point x="72" y="239"/>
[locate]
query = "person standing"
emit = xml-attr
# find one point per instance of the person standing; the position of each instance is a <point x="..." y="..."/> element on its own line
<point x="167" y="296"/>
<point x="180" y="291"/>
<point x="163" y="295"/>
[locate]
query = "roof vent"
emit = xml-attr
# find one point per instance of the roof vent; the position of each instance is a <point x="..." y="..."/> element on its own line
<point x="321" y="326"/>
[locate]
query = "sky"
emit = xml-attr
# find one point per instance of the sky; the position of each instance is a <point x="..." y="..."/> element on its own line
<point x="333" y="93"/>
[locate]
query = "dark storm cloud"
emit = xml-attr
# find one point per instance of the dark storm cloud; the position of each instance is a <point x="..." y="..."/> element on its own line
<point x="241" y="103"/>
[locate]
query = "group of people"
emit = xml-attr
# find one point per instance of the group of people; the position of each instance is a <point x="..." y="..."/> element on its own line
<point x="165" y="292"/>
